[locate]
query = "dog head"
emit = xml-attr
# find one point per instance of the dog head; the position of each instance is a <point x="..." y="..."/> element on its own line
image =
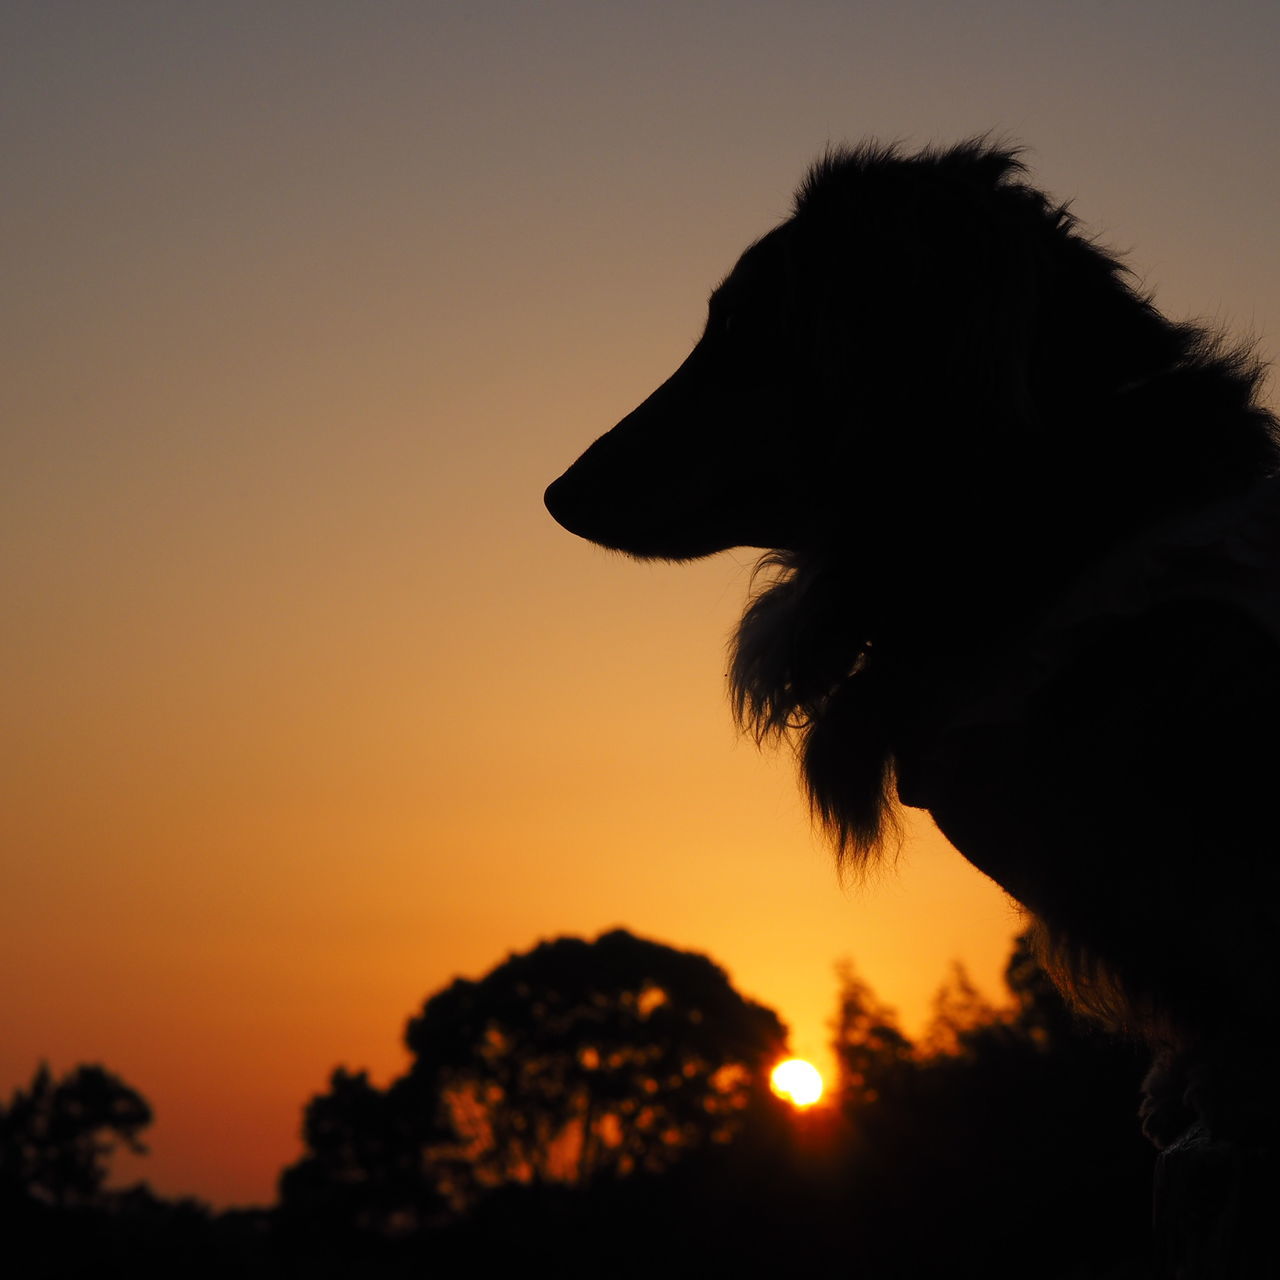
<point x="934" y="402"/>
<point x="885" y="328"/>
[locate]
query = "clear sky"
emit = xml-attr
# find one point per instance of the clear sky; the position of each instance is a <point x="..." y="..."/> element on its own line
<point x="309" y="705"/>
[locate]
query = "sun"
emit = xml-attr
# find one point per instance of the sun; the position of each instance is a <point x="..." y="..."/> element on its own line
<point x="798" y="1081"/>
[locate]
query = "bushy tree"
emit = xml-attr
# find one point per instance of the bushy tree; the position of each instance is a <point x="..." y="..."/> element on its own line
<point x="56" y="1137"/>
<point x="573" y="1062"/>
<point x="367" y="1159"/>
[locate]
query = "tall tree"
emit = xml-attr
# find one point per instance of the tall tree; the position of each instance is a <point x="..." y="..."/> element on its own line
<point x="872" y="1054"/>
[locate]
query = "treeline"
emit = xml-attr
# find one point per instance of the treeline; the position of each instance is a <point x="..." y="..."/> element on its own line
<point x="600" y="1109"/>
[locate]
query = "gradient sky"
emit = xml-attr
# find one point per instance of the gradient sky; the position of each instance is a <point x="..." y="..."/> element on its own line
<point x="310" y="706"/>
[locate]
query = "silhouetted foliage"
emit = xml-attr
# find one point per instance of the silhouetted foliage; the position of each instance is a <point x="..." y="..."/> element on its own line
<point x="958" y="1008"/>
<point x="137" y="1235"/>
<point x="367" y="1167"/>
<point x="872" y="1054"/>
<point x="1015" y="1127"/>
<point x="57" y="1136"/>
<point x="1005" y="1143"/>
<point x="62" y="1222"/>
<point x="598" y="1109"/>
<point x="574" y="1062"/>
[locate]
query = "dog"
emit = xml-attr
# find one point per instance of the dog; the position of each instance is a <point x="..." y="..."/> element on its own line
<point x="1022" y="571"/>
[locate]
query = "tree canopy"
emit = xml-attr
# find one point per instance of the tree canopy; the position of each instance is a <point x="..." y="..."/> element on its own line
<point x="57" y="1136"/>
<point x="574" y="1061"/>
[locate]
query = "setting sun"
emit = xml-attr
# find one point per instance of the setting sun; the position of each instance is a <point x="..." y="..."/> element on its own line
<point x="798" y="1081"/>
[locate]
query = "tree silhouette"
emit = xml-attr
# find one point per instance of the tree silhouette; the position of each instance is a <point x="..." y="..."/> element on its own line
<point x="959" y="1009"/>
<point x="575" y="1062"/>
<point x="56" y="1137"/>
<point x="873" y="1057"/>
<point x="366" y="1168"/>
<point x="1005" y="1129"/>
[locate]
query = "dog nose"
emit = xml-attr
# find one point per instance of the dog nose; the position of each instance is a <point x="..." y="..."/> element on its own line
<point x="554" y="500"/>
<point x="577" y="507"/>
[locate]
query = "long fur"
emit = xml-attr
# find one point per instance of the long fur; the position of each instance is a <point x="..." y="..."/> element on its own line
<point x="945" y="412"/>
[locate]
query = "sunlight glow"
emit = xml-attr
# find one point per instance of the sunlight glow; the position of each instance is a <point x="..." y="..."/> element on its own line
<point x="798" y="1081"/>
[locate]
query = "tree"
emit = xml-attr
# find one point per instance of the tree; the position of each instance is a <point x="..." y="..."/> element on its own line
<point x="366" y="1163"/>
<point x="872" y="1054"/>
<point x="959" y="1009"/>
<point x="56" y="1138"/>
<point x="1004" y="1130"/>
<point x="574" y="1062"/>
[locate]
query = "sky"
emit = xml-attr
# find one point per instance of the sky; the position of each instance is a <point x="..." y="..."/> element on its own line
<point x="309" y="705"/>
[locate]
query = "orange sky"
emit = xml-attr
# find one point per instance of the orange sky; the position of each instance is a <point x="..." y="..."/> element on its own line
<point x="310" y="705"/>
